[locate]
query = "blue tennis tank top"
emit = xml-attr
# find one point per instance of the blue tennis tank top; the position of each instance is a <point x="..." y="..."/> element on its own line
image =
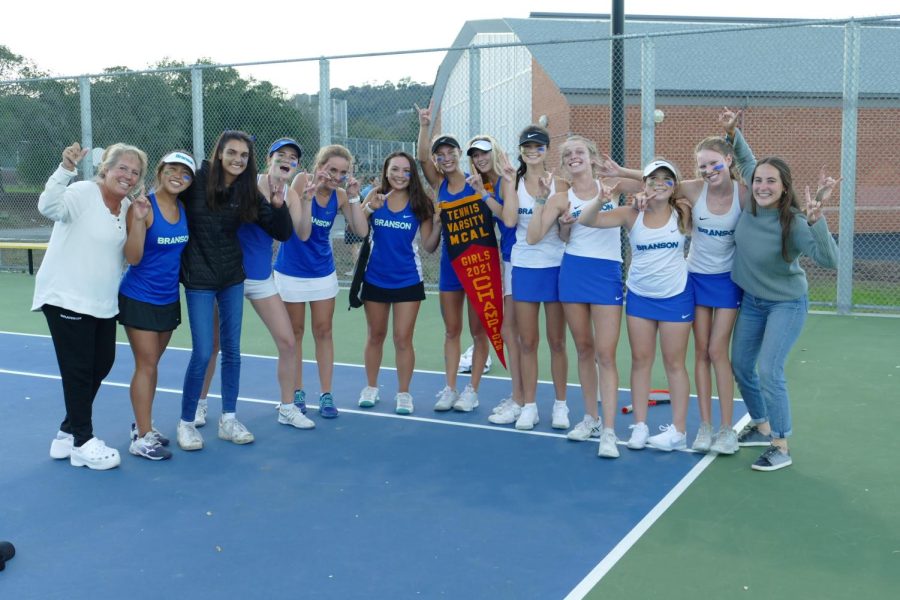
<point x="394" y="262"/>
<point x="256" y="246"/>
<point x="507" y="234"/>
<point x="444" y="195"/>
<point x="312" y="258"/>
<point x="155" y="279"/>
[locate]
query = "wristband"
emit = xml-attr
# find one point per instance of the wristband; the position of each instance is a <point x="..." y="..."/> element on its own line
<point x="353" y="200"/>
<point x="368" y="209"/>
<point x="485" y="196"/>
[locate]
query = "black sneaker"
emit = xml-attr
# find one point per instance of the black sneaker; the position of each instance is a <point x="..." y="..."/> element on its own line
<point x="149" y="447"/>
<point x="750" y="436"/>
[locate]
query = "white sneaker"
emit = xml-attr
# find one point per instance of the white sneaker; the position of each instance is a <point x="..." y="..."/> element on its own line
<point x="704" y="438"/>
<point x="95" y="454"/>
<point x="639" y="436"/>
<point x="508" y="415"/>
<point x="608" y="441"/>
<point x="289" y="414"/>
<point x="404" y="402"/>
<point x="468" y="400"/>
<point x="528" y="418"/>
<point x="61" y="446"/>
<point x="503" y="404"/>
<point x="188" y="436"/>
<point x="560" y="415"/>
<point x="232" y="430"/>
<point x="670" y="439"/>
<point x="368" y="397"/>
<point x="446" y="399"/>
<point x="587" y="428"/>
<point x="200" y="416"/>
<point x="725" y="441"/>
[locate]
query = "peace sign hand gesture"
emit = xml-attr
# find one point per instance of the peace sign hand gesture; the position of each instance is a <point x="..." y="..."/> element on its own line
<point x="73" y="155"/>
<point x="544" y="183"/>
<point x="508" y="172"/>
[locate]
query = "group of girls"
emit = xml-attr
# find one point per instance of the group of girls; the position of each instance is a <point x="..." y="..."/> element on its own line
<point x="212" y="228"/>
<point x="560" y="244"/>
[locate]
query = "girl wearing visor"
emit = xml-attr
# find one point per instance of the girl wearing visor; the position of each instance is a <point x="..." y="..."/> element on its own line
<point x="259" y="287"/>
<point x="149" y="299"/>
<point x="443" y="171"/>
<point x="304" y="268"/>
<point x="491" y="173"/>
<point x="224" y="196"/>
<point x="659" y="299"/>
<point x="535" y="259"/>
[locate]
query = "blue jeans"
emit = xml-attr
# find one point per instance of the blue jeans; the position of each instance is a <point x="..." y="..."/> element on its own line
<point x="201" y="305"/>
<point x="764" y="334"/>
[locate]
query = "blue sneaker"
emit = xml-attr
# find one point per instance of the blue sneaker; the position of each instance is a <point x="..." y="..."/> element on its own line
<point x="327" y="409"/>
<point x="772" y="460"/>
<point x="750" y="436"/>
<point x="300" y="400"/>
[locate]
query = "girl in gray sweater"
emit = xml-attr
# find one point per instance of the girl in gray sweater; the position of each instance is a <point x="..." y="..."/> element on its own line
<point x="769" y="239"/>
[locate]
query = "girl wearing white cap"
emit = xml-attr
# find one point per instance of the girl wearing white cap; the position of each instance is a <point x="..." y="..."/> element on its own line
<point x="442" y="169"/>
<point x="659" y="299"/>
<point x="149" y="299"/>
<point x="590" y="289"/>
<point x="491" y="173"/>
<point x="535" y="258"/>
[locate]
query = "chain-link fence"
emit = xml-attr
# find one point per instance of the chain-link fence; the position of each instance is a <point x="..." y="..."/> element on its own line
<point x="817" y="94"/>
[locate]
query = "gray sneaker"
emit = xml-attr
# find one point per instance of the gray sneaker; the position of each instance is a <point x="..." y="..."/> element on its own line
<point x="725" y="441"/>
<point x="704" y="438"/>
<point x="772" y="460"/>
<point x="750" y="436"/>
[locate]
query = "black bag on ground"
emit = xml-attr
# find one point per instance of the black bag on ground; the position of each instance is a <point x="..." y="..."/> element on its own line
<point x="359" y="271"/>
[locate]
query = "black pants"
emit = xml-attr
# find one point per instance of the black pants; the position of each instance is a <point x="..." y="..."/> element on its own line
<point x="85" y="350"/>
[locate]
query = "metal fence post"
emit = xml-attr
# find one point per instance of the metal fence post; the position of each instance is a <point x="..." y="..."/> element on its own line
<point x="324" y="102"/>
<point x="87" y="132"/>
<point x="848" y="168"/>
<point x="648" y="100"/>
<point x="197" y="112"/>
<point x="474" y="92"/>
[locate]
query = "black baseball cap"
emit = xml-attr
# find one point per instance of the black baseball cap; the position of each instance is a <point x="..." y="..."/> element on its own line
<point x="444" y="140"/>
<point x="533" y="134"/>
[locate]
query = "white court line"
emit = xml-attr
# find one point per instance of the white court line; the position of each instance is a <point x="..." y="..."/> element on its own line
<point x="313" y="407"/>
<point x="625" y="544"/>
<point x="342" y="364"/>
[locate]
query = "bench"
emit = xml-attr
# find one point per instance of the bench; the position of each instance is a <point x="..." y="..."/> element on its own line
<point x="29" y="246"/>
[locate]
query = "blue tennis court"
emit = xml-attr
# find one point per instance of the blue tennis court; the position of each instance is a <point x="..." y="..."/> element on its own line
<point x="370" y="504"/>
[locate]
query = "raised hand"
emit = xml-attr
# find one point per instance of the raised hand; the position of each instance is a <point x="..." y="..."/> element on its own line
<point x="508" y="172"/>
<point x="424" y="113"/>
<point x="642" y="199"/>
<point x="729" y="120"/>
<point x="606" y="166"/>
<point x="567" y="218"/>
<point x="140" y="207"/>
<point x="826" y="185"/>
<point x="73" y="155"/>
<point x="277" y="189"/>
<point x="352" y="186"/>
<point x="377" y="200"/>
<point x="544" y="183"/>
<point x="477" y="183"/>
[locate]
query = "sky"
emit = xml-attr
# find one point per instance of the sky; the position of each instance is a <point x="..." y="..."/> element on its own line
<point x="88" y="38"/>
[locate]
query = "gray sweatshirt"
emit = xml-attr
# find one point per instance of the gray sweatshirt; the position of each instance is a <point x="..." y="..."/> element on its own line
<point x="760" y="270"/>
